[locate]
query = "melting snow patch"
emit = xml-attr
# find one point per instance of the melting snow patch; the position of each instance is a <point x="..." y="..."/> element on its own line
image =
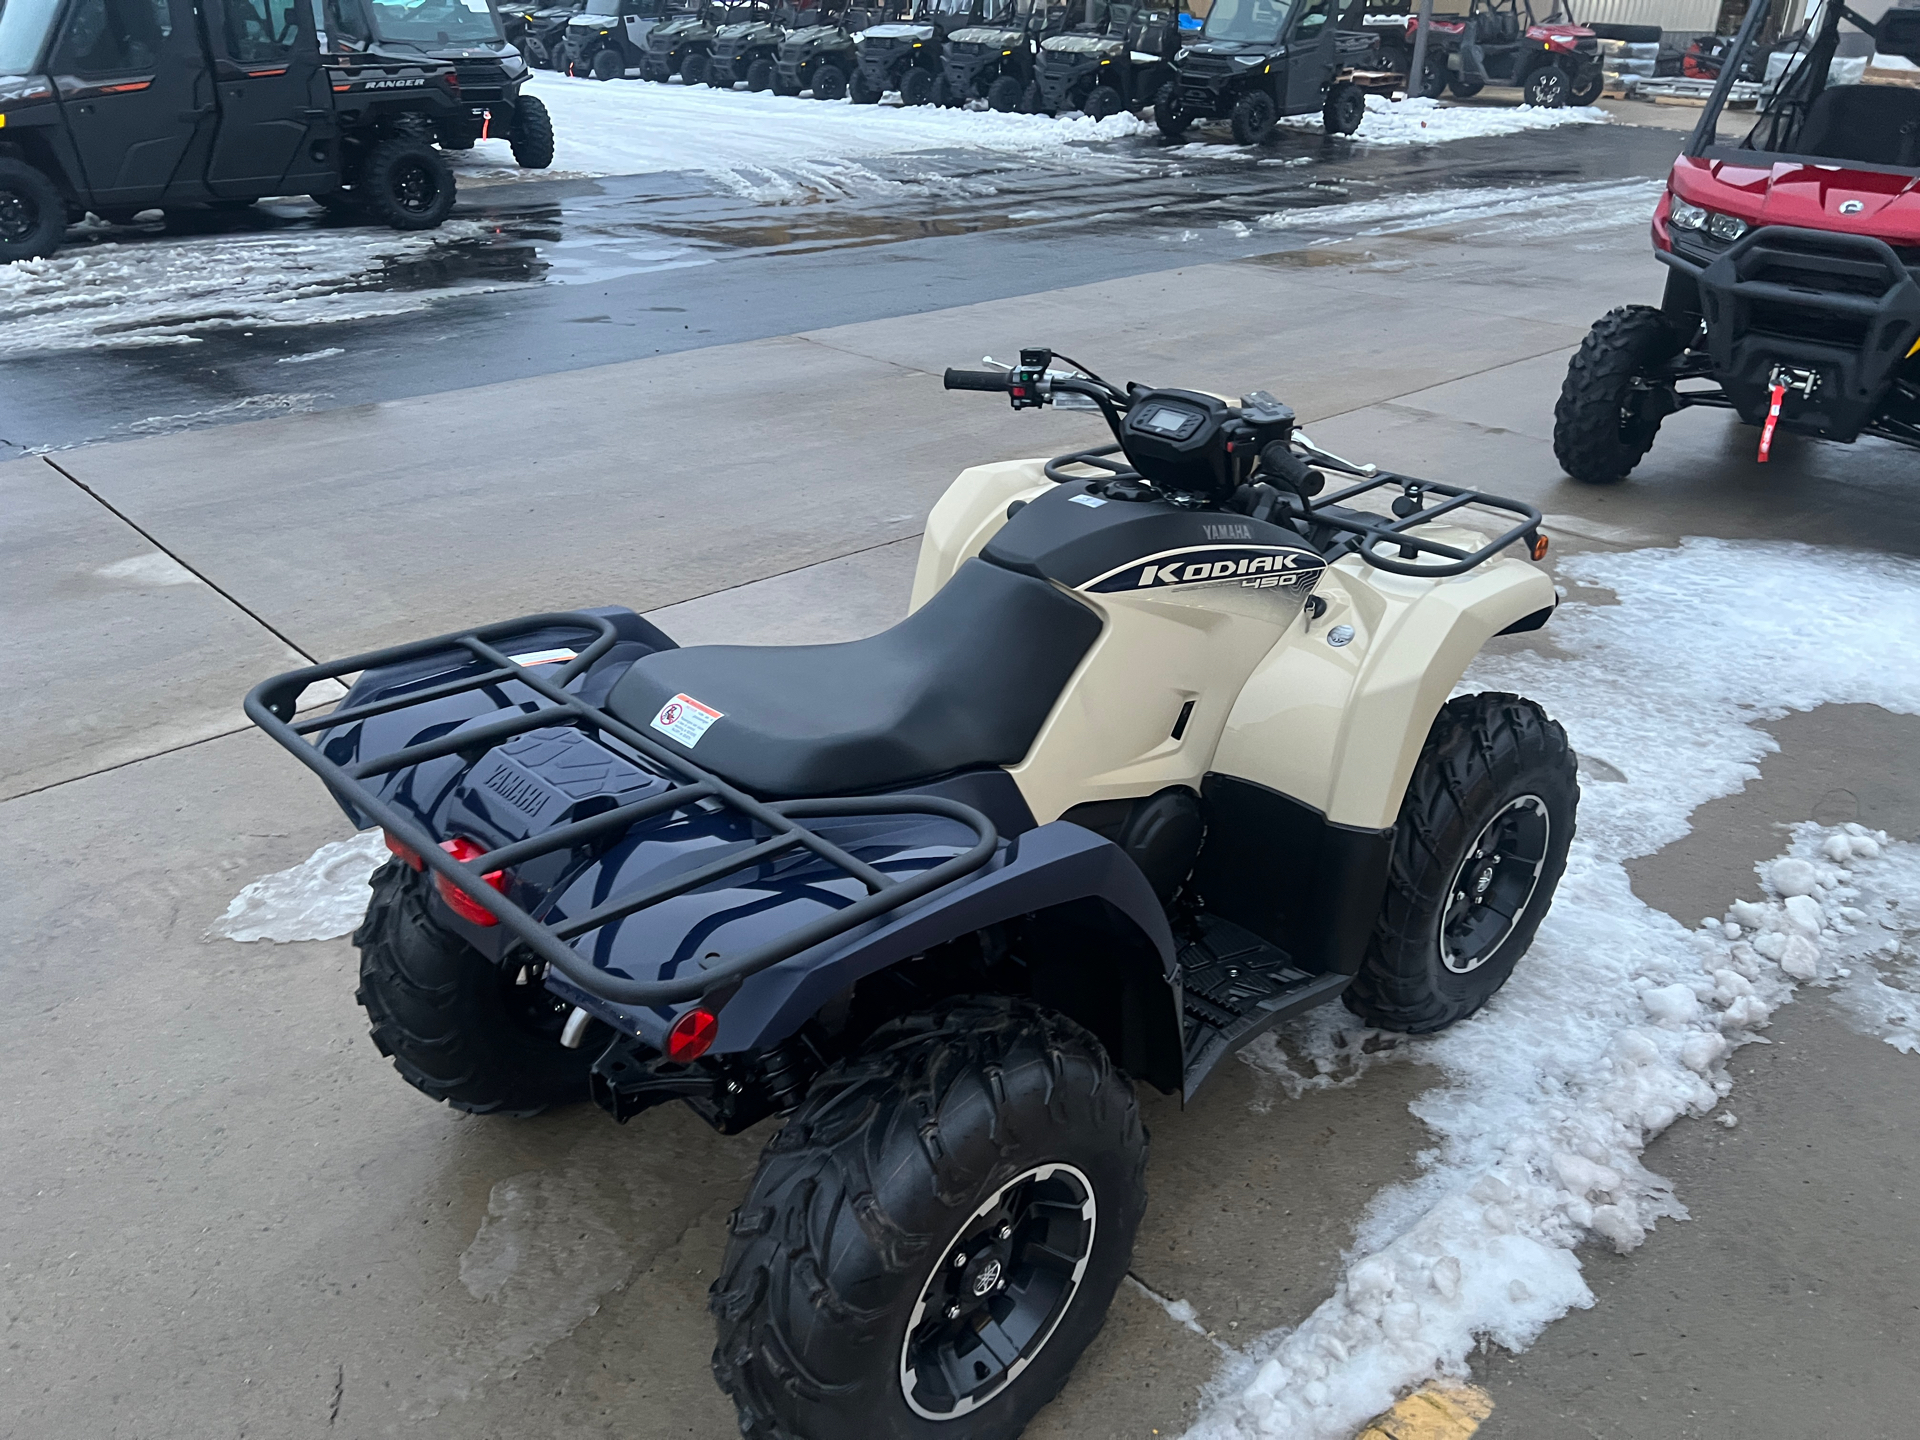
<point x="1419" y="121"/>
<point x="308" y="357"/>
<point x="168" y="292"/>
<point x="1619" y="1020"/>
<point x="1510" y="210"/>
<point x="152" y="568"/>
<point x="323" y="896"/>
<point x="1181" y="1312"/>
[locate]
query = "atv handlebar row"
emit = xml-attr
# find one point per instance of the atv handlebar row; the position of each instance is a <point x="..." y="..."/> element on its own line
<point x="272" y="706"/>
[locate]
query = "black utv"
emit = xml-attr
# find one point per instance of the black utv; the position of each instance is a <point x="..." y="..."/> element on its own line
<point x="1128" y="65"/>
<point x="993" y="61"/>
<point x="744" y="48"/>
<point x="1259" y="60"/>
<point x="115" y="107"/>
<point x="680" y="45"/>
<point x="609" y="37"/>
<point x="822" y="56"/>
<point x="904" y="55"/>
<point x="541" y="35"/>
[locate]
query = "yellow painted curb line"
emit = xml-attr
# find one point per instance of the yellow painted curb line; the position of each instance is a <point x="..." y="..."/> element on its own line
<point x="1450" y="1413"/>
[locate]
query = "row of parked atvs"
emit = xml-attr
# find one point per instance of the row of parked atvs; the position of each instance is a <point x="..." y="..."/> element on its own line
<point x="1252" y="62"/>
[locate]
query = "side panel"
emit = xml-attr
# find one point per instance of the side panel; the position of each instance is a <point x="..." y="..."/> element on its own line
<point x="1338" y="728"/>
<point x="965" y="518"/>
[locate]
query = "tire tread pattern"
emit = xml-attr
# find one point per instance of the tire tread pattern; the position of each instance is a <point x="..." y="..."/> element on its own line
<point x="1587" y="434"/>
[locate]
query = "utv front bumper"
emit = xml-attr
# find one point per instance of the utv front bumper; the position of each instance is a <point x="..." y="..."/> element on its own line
<point x="1208" y="86"/>
<point x="1832" y="316"/>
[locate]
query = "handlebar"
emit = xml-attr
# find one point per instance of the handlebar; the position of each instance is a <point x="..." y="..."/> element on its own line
<point x="992" y="380"/>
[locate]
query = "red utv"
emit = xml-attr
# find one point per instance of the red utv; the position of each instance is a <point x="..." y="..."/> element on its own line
<point x="1792" y="296"/>
<point x="1497" y="42"/>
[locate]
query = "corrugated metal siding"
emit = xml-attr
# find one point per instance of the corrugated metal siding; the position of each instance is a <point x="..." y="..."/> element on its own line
<point x="1686" y="16"/>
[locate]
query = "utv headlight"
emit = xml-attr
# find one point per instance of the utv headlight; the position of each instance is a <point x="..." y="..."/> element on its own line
<point x="1687" y="217"/>
<point x="1248" y="59"/>
<point x="1726" y="227"/>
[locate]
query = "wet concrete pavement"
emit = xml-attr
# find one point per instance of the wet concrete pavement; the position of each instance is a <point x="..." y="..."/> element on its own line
<point x="556" y="276"/>
<point x="220" y="1211"/>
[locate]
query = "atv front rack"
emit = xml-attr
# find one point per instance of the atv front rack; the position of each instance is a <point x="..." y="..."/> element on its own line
<point x="1359" y="532"/>
<point x="272" y="706"/>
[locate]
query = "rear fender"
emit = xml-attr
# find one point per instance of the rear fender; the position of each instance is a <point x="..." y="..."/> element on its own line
<point x="1100" y="947"/>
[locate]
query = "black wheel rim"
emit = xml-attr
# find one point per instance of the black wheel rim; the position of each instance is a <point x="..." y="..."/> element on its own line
<point x="19" y="216"/>
<point x="998" y="1292"/>
<point x="1550" y="88"/>
<point x="415" y="188"/>
<point x="1492" y="884"/>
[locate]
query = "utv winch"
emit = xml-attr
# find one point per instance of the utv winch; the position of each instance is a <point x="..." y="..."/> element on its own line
<point x="1258" y="61"/>
<point x="1793" y="262"/>
<point x="208" y="106"/>
<point x="1161" y="756"/>
<point x="1127" y="65"/>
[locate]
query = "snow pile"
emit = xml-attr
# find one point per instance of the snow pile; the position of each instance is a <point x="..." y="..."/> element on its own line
<point x="1876" y="909"/>
<point x="322" y="897"/>
<point x="166" y="292"/>
<point x="640" y="128"/>
<point x="1619" y="1020"/>
<point x="1419" y="121"/>
<point x="1507" y="210"/>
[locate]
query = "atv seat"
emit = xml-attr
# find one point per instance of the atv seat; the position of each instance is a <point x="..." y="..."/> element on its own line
<point x="964" y="681"/>
<point x="1868" y="124"/>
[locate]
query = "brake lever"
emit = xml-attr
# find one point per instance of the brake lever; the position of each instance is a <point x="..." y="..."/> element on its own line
<point x="1327" y="457"/>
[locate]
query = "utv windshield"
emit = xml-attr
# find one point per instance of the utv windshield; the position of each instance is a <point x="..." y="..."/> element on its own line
<point x="23" y="33"/>
<point x="1258" y="22"/>
<point x="433" y="22"/>
<point x="1834" y="84"/>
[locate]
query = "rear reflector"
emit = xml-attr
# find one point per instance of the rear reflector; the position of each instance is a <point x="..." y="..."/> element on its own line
<point x="403" y="851"/>
<point x="458" y="901"/>
<point x="691" y="1036"/>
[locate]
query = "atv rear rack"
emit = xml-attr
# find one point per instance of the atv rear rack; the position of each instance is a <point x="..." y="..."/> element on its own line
<point x="272" y="704"/>
<point x="1360" y="531"/>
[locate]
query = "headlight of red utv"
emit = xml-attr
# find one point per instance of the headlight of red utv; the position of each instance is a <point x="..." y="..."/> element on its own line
<point x="1697" y="217"/>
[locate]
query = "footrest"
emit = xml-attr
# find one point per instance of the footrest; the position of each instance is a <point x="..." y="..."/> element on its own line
<point x="1237" y="986"/>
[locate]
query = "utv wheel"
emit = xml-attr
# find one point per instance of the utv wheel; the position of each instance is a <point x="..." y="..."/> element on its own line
<point x="1585" y="89"/>
<point x="606" y="65"/>
<point x="1101" y="101"/>
<point x="406" y="184"/>
<point x="1546" y="87"/>
<point x="760" y="76"/>
<point x="830" y="83"/>
<point x="1173" y="122"/>
<point x="1005" y="94"/>
<point x="936" y="1234"/>
<point x="1253" y="118"/>
<point x="1612" y="401"/>
<point x="693" y="69"/>
<point x="1465" y="89"/>
<point x="1434" y="77"/>
<point x="916" y="86"/>
<point x="532" y="138"/>
<point x="1480" y="844"/>
<point x="458" y="1027"/>
<point x="33" y="217"/>
<point x="1346" y="108"/>
<point x="860" y="90"/>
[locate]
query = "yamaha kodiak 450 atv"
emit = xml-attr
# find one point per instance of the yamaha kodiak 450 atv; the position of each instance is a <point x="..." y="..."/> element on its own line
<point x="1163" y="754"/>
<point x="197" y="104"/>
<point x="1793" y="265"/>
<point x="1259" y="60"/>
<point x="904" y="55"/>
<point x="1128" y="65"/>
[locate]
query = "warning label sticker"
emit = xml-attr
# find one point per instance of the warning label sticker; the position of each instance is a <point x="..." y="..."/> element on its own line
<point x="685" y="719"/>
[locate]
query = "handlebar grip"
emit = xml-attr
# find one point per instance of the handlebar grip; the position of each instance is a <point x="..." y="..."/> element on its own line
<point x="990" y="380"/>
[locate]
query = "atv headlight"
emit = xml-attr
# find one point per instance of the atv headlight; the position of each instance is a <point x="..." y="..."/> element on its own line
<point x="1687" y="217"/>
<point x="1726" y="227"/>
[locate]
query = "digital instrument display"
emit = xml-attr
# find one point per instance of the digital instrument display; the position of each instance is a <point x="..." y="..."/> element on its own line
<point x="1169" y="421"/>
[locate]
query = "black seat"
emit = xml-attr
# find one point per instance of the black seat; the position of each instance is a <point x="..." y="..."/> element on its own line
<point x="1868" y="124"/>
<point x="966" y="680"/>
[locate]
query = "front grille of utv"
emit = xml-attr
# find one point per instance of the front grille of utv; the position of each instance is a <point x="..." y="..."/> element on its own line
<point x="1206" y="68"/>
<point x="482" y="83"/>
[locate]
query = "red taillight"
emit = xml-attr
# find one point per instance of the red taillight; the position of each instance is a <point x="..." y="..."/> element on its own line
<point x="403" y="851"/>
<point x="692" y="1035"/>
<point x="458" y="901"/>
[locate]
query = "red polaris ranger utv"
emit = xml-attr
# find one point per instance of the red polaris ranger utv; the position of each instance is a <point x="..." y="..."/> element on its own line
<point x="1792" y="258"/>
